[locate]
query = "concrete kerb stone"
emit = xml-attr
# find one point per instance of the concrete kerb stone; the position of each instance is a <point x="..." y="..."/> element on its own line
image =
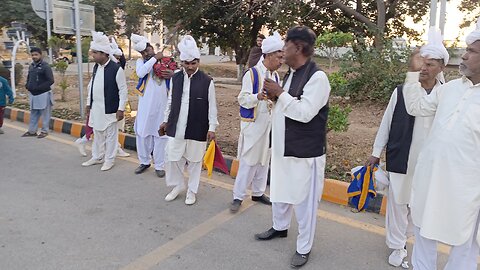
<point x="334" y="191"/>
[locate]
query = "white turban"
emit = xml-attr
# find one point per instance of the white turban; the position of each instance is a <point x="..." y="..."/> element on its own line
<point x="435" y="48"/>
<point x="475" y="35"/>
<point x="272" y="43"/>
<point x="139" y="42"/>
<point x="188" y="49"/>
<point x="115" y="49"/>
<point x="100" y="43"/>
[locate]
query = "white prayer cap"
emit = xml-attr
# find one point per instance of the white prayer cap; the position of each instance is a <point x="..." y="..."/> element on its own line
<point x="475" y="35"/>
<point x="115" y="49"/>
<point x="272" y="43"/>
<point x="435" y="48"/>
<point x="188" y="49"/>
<point x="100" y="43"/>
<point x="139" y="42"/>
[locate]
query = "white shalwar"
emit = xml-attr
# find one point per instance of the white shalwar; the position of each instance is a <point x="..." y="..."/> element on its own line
<point x="150" y="114"/>
<point x="446" y="205"/>
<point x="253" y="143"/>
<point x="105" y="129"/>
<point x="297" y="183"/>
<point x="397" y="221"/>
<point x="179" y="150"/>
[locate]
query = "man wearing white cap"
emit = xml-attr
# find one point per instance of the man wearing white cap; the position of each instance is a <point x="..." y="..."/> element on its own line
<point x="190" y="121"/>
<point x="255" y="112"/>
<point x="107" y="96"/>
<point x="152" y="101"/>
<point x="446" y="203"/>
<point x="299" y="122"/>
<point x="403" y="136"/>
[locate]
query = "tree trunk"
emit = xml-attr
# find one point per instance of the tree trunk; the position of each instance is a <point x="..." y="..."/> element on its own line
<point x="129" y="48"/>
<point x="381" y="23"/>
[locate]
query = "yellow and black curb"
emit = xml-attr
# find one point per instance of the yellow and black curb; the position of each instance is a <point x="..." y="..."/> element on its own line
<point x="333" y="191"/>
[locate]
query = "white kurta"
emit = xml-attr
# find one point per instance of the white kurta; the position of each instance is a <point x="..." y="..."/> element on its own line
<point x="253" y="143"/>
<point x="98" y="120"/>
<point x="152" y="105"/>
<point x="178" y="146"/>
<point x="401" y="184"/>
<point x="447" y="201"/>
<point x="291" y="176"/>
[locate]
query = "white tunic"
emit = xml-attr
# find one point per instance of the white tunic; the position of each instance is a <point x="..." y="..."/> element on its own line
<point x="178" y="147"/>
<point x="401" y="184"/>
<point x="253" y="143"/>
<point x="291" y="176"/>
<point x="98" y="120"/>
<point x="447" y="202"/>
<point x="152" y="105"/>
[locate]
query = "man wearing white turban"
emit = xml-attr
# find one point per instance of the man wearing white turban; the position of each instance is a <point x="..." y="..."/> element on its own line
<point x="403" y="136"/>
<point x="255" y="124"/>
<point x="107" y="96"/>
<point x="152" y="101"/>
<point x="190" y="121"/>
<point x="446" y="203"/>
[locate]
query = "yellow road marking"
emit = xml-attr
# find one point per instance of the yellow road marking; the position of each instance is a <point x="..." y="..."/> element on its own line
<point x="224" y="216"/>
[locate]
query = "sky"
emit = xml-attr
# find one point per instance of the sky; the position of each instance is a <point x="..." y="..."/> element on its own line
<point x="452" y="26"/>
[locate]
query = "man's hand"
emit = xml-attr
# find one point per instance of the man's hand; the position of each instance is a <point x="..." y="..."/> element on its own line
<point x="167" y="74"/>
<point x="87" y="110"/>
<point x="210" y="136"/>
<point x="262" y="95"/>
<point x="120" y="115"/>
<point x="11" y="100"/>
<point x="273" y="89"/>
<point x="158" y="55"/>
<point x="163" y="129"/>
<point x="372" y="161"/>
<point x="416" y="61"/>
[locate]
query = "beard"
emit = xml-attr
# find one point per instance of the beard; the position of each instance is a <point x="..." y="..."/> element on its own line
<point x="464" y="70"/>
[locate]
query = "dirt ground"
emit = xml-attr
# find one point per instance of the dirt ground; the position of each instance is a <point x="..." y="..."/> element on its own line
<point x="345" y="149"/>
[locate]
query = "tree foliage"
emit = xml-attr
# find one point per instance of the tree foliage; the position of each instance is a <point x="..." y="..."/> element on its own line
<point x="330" y="43"/>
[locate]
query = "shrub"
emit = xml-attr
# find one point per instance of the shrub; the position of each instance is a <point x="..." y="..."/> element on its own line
<point x="338" y="84"/>
<point x="61" y="67"/>
<point x="338" y="118"/>
<point x="373" y="74"/>
<point x="18" y="73"/>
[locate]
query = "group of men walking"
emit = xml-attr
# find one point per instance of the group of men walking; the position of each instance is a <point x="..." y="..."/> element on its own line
<point x="430" y="130"/>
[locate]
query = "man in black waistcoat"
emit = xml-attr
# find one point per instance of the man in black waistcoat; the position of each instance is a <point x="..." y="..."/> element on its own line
<point x="299" y="121"/>
<point x="403" y="135"/>
<point x="190" y="122"/>
<point x="107" y="96"/>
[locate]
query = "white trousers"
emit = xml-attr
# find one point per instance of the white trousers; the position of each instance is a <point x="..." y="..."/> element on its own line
<point x="105" y="142"/>
<point x="305" y="213"/>
<point x="398" y="223"/>
<point x="254" y="176"/>
<point x="175" y="177"/>
<point x="149" y="144"/>
<point x="463" y="257"/>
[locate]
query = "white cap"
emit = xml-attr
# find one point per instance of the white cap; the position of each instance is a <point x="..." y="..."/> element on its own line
<point x="139" y="42"/>
<point x="100" y="43"/>
<point x="188" y="49"/>
<point x="475" y="35"/>
<point x="272" y="43"/>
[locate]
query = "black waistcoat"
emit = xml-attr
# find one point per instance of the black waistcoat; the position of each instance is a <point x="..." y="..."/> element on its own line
<point x="110" y="87"/>
<point x="305" y="140"/>
<point x="400" y="137"/>
<point x="197" y="123"/>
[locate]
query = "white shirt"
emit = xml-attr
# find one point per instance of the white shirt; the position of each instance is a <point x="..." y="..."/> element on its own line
<point x="401" y="184"/>
<point x="447" y="203"/>
<point x="98" y="120"/>
<point x="253" y="142"/>
<point x="178" y="147"/>
<point x="291" y="176"/>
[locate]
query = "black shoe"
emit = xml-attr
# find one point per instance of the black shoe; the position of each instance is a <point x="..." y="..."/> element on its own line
<point x="160" y="173"/>
<point x="235" y="205"/>
<point x="262" y="199"/>
<point x="298" y="260"/>
<point x="140" y="169"/>
<point x="270" y="234"/>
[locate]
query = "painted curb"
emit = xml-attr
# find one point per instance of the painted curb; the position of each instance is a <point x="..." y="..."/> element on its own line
<point x="334" y="191"/>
